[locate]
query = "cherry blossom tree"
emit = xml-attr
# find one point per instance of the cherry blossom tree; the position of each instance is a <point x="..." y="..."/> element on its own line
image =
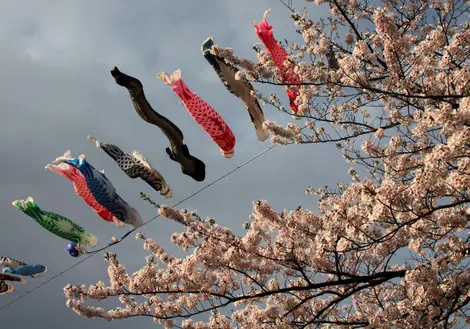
<point x="387" y="82"/>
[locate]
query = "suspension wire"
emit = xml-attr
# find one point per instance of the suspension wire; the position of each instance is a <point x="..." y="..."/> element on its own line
<point x="94" y="252"/>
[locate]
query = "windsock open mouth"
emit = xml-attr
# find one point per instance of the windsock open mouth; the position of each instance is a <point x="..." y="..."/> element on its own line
<point x="6" y="288"/>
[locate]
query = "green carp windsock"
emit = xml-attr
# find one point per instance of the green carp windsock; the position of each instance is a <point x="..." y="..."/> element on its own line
<point x="56" y="224"/>
<point x="135" y="165"/>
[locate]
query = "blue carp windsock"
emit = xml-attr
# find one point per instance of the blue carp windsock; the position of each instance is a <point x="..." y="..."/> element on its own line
<point x="56" y="224"/>
<point x="241" y="88"/>
<point x="80" y="187"/>
<point x="26" y="270"/>
<point x="135" y="165"/>
<point x="104" y="192"/>
<point x="11" y="263"/>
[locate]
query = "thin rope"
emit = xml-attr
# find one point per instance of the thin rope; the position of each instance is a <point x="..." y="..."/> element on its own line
<point x="94" y="252"/>
<point x="233" y="163"/>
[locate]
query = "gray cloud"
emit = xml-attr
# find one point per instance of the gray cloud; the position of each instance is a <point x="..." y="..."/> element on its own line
<point x="56" y="89"/>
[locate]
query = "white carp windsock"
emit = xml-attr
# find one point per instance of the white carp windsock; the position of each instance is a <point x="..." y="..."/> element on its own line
<point x="241" y="88"/>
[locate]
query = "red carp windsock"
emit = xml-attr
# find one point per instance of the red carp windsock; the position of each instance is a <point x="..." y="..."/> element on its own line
<point x="202" y="113"/>
<point x="279" y="56"/>
<point x="81" y="188"/>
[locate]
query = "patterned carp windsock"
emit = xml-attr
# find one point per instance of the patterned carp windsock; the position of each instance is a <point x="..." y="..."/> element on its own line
<point x="81" y="188"/>
<point x="6" y="288"/>
<point x="56" y="224"/>
<point x="9" y="277"/>
<point x="135" y="165"/>
<point x="11" y="263"/>
<point x="179" y="151"/>
<point x="26" y="270"/>
<point x="240" y="88"/>
<point x="279" y="56"/>
<point x="202" y="113"/>
<point x="103" y="191"/>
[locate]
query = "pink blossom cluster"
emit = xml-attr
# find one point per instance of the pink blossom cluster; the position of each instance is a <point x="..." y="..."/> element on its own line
<point x="389" y="249"/>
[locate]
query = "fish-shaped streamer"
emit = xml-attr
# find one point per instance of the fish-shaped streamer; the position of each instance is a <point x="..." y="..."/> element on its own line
<point x="135" y="165"/>
<point x="13" y="264"/>
<point x="202" y="113"/>
<point x="6" y="288"/>
<point x="26" y="270"/>
<point x="333" y="63"/>
<point x="103" y="191"/>
<point x="179" y="152"/>
<point x="279" y="56"/>
<point x="56" y="224"/>
<point x="240" y="88"/>
<point x="12" y="278"/>
<point x="81" y="188"/>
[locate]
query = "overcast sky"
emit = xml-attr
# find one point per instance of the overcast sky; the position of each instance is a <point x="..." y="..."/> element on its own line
<point x="57" y="89"/>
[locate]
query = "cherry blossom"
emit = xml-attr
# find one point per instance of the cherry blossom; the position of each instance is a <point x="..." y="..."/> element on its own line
<point x="390" y="249"/>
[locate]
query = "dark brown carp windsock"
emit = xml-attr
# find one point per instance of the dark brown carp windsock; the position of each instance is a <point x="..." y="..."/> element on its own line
<point x="178" y="152"/>
<point x="8" y="277"/>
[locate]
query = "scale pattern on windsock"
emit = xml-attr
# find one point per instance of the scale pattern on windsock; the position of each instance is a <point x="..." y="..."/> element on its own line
<point x="279" y="56"/>
<point x="202" y="113"/>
